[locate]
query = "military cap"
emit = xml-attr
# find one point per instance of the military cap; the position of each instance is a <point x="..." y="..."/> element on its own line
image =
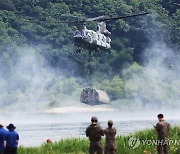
<point x="160" y="115"/>
<point x="110" y="122"/>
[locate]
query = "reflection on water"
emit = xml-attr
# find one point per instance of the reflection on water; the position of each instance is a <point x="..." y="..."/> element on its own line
<point x="36" y="129"/>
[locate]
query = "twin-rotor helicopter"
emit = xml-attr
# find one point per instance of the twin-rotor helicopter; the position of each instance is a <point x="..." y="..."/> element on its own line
<point x="95" y="40"/>
<point x="89" y="39"/>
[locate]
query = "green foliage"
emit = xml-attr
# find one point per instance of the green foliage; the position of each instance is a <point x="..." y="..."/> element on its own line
<point x="19" y="26"/>
<point x="65" y="86"/>
<point x="133" y="72"/>
<point x="176" y="28"/>
<point x="64" y="89"/>
<point x="115" y="87"/>
<point x="7" y="5"/>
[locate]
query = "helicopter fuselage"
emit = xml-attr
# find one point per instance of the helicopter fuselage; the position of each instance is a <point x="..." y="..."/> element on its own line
<point x="86" y="38"/>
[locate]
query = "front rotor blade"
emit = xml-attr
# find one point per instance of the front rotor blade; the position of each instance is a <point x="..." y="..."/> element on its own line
<point x="96" y="18"/>
<point x="123" y="17"/>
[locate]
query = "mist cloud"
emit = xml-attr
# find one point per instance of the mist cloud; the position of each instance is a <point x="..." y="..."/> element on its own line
<point x="31" y="83"/>
<point x="157" y="84"/>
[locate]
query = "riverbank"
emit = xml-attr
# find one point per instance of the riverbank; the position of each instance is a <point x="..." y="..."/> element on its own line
<point x="142" y="142"/>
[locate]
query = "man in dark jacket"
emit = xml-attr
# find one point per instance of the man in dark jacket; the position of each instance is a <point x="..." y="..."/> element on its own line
<point x="110" y="133"/>
<point x="94" y="132"/>
<point x="162" y="129"/>
<point x="11" y="140"/>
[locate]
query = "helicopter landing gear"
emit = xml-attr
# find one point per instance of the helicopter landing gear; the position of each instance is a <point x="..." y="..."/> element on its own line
<point x="78" y="50"/>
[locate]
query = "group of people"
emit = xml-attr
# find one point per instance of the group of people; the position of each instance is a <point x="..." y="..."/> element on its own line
<point x="95" y="132"/>
<point x="8" y="139"/>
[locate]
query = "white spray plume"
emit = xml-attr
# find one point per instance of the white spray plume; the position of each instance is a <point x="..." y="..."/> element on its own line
<point x="157" y="85"/>
<point x="30" y="82"/>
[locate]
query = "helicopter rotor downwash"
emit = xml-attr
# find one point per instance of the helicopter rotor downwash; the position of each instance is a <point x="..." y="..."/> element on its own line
<point x="90" y="39"/>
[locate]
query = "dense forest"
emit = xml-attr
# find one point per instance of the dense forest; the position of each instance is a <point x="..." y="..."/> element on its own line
<point x="35" y="28"/>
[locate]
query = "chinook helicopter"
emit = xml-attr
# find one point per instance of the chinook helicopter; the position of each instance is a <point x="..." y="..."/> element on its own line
<point x="85" y="38"/>
<point x="95" y="40"/>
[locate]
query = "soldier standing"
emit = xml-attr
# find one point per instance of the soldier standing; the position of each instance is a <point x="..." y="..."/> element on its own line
<point x="110" y="132"/>
<point x="94" y="132"/>
<point x="162" y="129"/>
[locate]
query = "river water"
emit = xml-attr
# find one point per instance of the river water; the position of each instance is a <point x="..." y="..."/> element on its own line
<point x="35" y="128"/>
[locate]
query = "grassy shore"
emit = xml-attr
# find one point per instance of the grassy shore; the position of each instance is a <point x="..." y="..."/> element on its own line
<point x="145" y="139"/>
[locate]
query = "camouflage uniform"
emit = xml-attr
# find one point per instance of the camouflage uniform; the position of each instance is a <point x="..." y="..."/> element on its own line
<point x="94" y="132"/>
<point x="162" y="129"/>
<point x="110" y="146"/>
